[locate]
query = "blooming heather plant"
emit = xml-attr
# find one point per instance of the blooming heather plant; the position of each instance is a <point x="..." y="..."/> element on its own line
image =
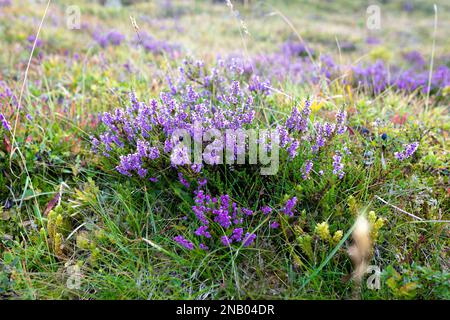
<point x="219" y="221"/>
<point x="142" y="133"/>
<point x="145" y="217"/>
<point x="141" y="139"/>
<point x="292" y="63"/>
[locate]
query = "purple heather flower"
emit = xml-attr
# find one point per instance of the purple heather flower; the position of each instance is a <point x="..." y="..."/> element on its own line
<point x="5" y="122"/>
<point x="266" y="210"/>
<point x="415" y="58"/>
<point x="153" y="153"/>
<point x="295" y="49"/>
<point x="346" y="150"/>
<point x="203" y="231"/>
<point x="274" y="225"/>
<point x="142" y="172"/>
<point x="95" y="143"/>
<point x="202" y="182"/>
<point x="130" y="163"/>
<point x="156" y="46"/>
<point x="237" y="234"/>
<point x="284" y="136"/>
<point x="113" y="37"/>
<point x="249" y="239"/>
<point x="200" y="212"/>
<point x="142" y="148"/>
<point x="290" y="204"/>
<point x="408" y="6"/>
<point x="184" y="242"/>
<point x="297" y="120"/>
<point x="203" y="246"/>
<point x="183" y="181"/>
<point x="225" y="241"/>
<point x="372" y="40"/>
<point x="258" y="86"/>
<point x="321" y="134"/>
<point x="408" y="151"/>
<point x="222" y="218"/>
<point x="32" y="38"/>
<point x="374" y="76"/>
<point x="338" y="166"/>
<point x="329" y="129"/>
<point x="168" y="145"/>
<point x="292" y="150"/>
<point x="341" y="117"/>
<point x="247" y="212"/>
<point x="307" y="169"/>
<point x="328" y="66"/>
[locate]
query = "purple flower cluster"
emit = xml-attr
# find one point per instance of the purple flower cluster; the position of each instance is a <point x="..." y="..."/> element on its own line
<point x="307" y="169"/>
<point x="415" y="58"/>
<point x="142" y="133"/>
<point x="296" y="134"/>
<point x="200" y="99"/>
<point x="5" y="3"/>
<point x="157" y="47"/>
<point x="113" y="37"/>
<point x="184" y="242"/>
<point x="266" y="210"/>
<point x="221" y="220"/>
<point x="4" y="122"/>
<point x="296" y="49"/>
<point x="373" y="76"/>
<point x="183" y="180"/>
<point x="7" y="103"/>
<point x="31" y="39"/>
<point x="298" y="121"/>
<point x="371" y="40"/>
<point x="259" y="86"/>
<point x="215" y="82"/>
<point x="408" y="151"/>
<point x="293" y="64"/>
<point x="378" y="77"/>
<point x="6" y="92"/>
<point x="338" y="166"/>
<point x="289" y="206"/>
<point x="341" y="117"/>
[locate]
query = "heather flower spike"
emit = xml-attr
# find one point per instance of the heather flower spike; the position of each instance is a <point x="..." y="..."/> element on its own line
<point x="409" y="150"/>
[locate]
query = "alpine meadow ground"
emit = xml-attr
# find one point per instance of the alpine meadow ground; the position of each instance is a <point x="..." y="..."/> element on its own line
<point x="224" y="149"/>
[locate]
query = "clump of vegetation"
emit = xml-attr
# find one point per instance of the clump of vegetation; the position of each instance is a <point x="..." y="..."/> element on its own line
<point x="95" y="181"/>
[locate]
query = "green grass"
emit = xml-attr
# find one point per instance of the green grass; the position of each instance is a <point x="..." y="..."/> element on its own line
<point x="119" y="232"/>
